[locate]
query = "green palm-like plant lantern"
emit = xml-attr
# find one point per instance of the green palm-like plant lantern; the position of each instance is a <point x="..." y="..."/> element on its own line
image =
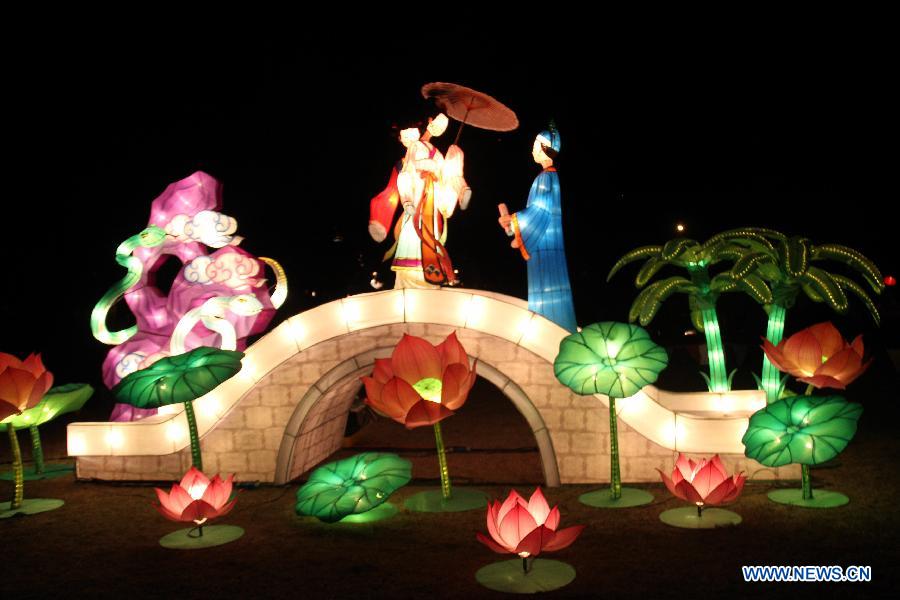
<point x="616" y="360"/>
<point x="805" y="430"/>
<point x="700" y="286"/>
<point x="791" y="266"/>
<point x="180" y="379"/>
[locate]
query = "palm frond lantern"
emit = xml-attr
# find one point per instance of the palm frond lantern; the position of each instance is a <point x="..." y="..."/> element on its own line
<point x="616" y="360"/>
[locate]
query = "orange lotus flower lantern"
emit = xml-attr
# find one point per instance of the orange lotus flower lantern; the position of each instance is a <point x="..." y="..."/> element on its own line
<point x="819" y="356"/>
<point x="422" y="384"/>
<point x="23" y="384"/>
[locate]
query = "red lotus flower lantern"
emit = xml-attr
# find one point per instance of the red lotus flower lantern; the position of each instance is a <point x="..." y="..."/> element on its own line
<point x="819" y="356"/>
<point x="526" y="528"/>
<point x="422" y="384"/>
<point x="704" y="483"/>
<point x="197" y="499"/>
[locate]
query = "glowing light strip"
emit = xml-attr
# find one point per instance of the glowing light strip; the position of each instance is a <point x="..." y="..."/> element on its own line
<point x="279" y="295"/>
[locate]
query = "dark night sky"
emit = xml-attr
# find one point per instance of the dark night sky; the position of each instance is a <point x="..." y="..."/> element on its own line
<point x="714" y="132"/>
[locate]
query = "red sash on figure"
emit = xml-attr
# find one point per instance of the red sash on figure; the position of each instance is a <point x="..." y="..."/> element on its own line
<point x="436" y="264"/>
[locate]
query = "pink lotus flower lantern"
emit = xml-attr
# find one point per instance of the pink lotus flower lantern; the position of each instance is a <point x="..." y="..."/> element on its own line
<point x="197" y="499"/>
<point x="526" y="528"/>
<point x="705" y="483"/>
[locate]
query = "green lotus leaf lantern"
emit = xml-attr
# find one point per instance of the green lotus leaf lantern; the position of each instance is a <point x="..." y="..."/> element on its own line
<point x="57" y="401"/>
<point x="614" y="359"/>
<point x="617" y="360"/>
<point x="805" y="430"/>
<point x="349" y="488"/>
<point x="180" y="378"/>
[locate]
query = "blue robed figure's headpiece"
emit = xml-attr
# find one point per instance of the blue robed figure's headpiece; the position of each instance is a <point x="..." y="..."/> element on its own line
<point x="550" y="138"/>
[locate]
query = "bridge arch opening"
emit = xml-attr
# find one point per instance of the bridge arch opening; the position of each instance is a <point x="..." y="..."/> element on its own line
<point x="523" y="449"/>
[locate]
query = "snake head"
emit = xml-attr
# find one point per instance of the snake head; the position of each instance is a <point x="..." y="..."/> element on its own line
<point x="245" y="305"/>
<point x="151" y="236"/>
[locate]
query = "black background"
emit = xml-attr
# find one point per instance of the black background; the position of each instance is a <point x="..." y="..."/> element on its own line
<point x="788" y="129"/>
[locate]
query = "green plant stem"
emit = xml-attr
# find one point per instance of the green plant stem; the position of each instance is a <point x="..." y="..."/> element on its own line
<point x="18" y="470"/>
<point x="771" y="376"/>
<point x="715" y="351"/>
<point x="804" y="469"/>
<point x="196" y="457"/>
<point x="37" y="450"/>
<point x="442" y="461"/>
<point x="804" y="479"/>
<point x="615" y="475"/>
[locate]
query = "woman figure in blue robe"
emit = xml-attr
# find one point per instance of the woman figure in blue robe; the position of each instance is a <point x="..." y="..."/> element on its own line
<point x="539" y="237"/>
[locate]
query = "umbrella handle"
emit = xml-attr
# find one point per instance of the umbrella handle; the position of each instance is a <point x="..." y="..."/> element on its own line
<point x="461" y="125"/>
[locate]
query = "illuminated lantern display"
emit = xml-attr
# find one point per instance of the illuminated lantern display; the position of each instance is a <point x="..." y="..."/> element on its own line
<point x="704" y="483"/>
<point x="420" y="259"/>
<point x="526" y="528"/>
<point x="808" y="430"/>
<point x="538" y="236"/>
<point x="185" y="221"/>
<point x="354" y="490"/>
<point x="57" y="401"/>
<point x="617" y="360"/>
<point x="702" y="290"/>
<point x="792" y="266"/>
<point x="819" y="356"/>
<point x="180" y="379"/>
<point x="421" y="385"/>
<point x="22" y="386"/>
<point x="197" y="499"/>
<point x="890" y="280"/>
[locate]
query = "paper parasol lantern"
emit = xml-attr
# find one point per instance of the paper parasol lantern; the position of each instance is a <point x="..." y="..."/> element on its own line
<point x="805" y="430"/>
<point x="526" y="528"/>
<point x="197" y="499"/>
<point x="704" y="483"/>
<point x="355" y="489"/>
<point x="615" y="359"/>
<point x="180" y="378"/>
<point x="422" y="384"/>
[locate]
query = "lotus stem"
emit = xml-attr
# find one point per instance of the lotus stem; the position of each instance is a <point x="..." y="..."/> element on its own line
<point x="807" y="485"/>
<point x="715" y="351"/>
<point x="37" y="451"/>
<point x="18" y="470"/>
<point x="771" y="377"/>
<point x="615" y="475"/>
<point x="525" y="565"/>
<point x="805" y="482"/>
<point x="699" y="511"/>
<point x="442" y="461"/>
<point x="196" y="457"/>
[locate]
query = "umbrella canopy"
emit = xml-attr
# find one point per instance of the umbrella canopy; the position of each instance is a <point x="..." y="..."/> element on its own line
<point x="471" y="107"/>
<point x="352" y="486"/>
<point x="808" y="430"/>
<point x="57" y="401"/>
<point x="615" y="359"/>
<point x="179" y="378"/>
